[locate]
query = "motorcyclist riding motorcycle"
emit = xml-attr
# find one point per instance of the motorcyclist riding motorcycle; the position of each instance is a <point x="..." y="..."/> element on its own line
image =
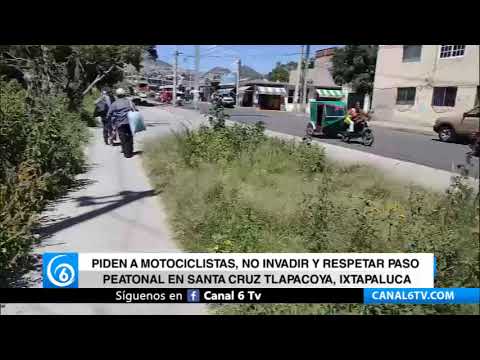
<point x="357" y="126"/>
<point x="357" y="117"/>
<point x="118" y="115"/>
<point x="102" y="105"/>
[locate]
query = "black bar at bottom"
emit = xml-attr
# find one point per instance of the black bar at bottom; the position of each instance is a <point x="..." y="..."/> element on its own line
<point x="180" y="295"/>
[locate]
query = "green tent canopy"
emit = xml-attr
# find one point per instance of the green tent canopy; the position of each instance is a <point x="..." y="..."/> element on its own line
<point x="327" y="93"/>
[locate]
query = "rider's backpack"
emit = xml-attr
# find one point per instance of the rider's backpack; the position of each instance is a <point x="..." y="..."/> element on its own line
<point x="101" y="108"/>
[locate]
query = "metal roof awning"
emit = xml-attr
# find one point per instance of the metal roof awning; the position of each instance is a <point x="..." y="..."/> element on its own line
<point x="265" y="90"/>
<point x="225" y="91"/>
<point x="244" y="88"/>
<point x="330" y="93"/>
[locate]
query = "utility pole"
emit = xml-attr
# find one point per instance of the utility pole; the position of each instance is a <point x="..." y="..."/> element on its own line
<point x="239" y="64"/>
<point x="305" y="81"/>
<point x="296" y="96"/>
<point x="174" y="95"/>
<point x="197" y="74"/>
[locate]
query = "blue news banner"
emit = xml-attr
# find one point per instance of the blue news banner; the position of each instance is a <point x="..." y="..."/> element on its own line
<point x="60" y="271"/>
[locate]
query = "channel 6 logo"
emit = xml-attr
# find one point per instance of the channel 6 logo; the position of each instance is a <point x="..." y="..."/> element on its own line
<point x="60" y="270"/>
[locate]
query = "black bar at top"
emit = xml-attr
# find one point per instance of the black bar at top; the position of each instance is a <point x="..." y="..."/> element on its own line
<point x="110" y="295"/>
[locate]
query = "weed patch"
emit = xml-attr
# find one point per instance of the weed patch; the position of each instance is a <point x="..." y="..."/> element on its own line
<point x="231" y="189"/>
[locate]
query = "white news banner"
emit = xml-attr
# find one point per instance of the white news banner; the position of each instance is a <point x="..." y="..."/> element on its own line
<point x="256" y="270"/>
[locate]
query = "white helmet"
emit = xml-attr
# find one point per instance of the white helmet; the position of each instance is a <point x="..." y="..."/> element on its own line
<point x="120" y="92"/>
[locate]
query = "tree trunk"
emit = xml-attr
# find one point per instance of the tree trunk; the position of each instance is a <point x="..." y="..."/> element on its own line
<point x="44" y="70"/>
<point x="73" y="89"/>
<point x="99" y="78"/>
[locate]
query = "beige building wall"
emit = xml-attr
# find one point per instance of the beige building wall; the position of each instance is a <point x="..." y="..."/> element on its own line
<point x="431" y="71"/>
<point x="319" y="75"/>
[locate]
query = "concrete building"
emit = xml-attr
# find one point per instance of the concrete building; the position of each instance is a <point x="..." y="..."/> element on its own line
<point x="320" y="74"/>
<point x="320" y="84"/>
<point x="416" y="84"/>
<point x="264" y="94"/>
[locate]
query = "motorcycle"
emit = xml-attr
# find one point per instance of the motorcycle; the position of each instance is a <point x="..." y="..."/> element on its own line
<point x="327" y="118"/>
<point x="361" y="130"/>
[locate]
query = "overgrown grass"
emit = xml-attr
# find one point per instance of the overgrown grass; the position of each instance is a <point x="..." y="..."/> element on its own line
<point x="234" y="190"/>
<point x="88" y="105"/>
<point x="41" y="151"/>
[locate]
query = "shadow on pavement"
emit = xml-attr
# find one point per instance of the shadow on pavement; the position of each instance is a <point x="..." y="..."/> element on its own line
<point x="153" y="124"/>
<point x="126" y="197"/>
<point x="18" y="278"/>
<point x="81" y="184"/>
<point x="256" y="115"/>
<point x="461" y="141"/>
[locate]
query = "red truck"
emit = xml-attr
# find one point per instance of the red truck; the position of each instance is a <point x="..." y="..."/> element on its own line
<point x="165" y="96"/>
<point x="143" y="89"/>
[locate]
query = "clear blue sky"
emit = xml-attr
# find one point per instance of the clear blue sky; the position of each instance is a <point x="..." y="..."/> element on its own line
<point x="261" y="58"/>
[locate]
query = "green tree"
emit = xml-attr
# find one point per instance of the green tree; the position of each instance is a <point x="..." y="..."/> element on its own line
<point x="103" y="64"/>
<point x="69" y="69"/>
<point x="355" y="65"/>
<point x="279" y="73"/>
<point x="152" y="51"/>
<point x="292" y="65"/>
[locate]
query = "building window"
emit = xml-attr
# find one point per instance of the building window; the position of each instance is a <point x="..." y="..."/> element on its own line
<point x="406" y="96"/>
<point x="412" y="53"/>
<point x="450" y="51"/>
<point x="444" y="96"/>
<point x="291" y="94"/>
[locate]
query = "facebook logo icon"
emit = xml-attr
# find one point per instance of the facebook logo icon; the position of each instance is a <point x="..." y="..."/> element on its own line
<point x="193" y="295"/>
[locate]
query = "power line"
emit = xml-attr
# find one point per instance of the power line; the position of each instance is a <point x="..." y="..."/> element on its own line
<point x="212" y="48"/>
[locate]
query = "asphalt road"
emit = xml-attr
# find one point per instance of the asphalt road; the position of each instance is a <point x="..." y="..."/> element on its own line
<point x="416" y="148"/>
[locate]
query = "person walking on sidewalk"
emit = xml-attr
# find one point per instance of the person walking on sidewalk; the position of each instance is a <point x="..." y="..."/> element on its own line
<point x="118" y="115"/>
<point x="102" y="105"/>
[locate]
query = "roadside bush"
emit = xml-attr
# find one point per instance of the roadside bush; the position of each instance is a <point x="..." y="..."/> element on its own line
<point x="88" y="106"/>
<point x="56" y="143"/>
<point x="218" y="145"/>
<point x="234" y="190"/>
<point x="41" y="150"/>
<point x="21" y="196"/>
<point x="310" y="158"/>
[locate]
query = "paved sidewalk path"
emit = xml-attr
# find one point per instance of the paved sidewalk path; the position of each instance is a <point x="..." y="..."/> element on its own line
<point x="116" y="210"/>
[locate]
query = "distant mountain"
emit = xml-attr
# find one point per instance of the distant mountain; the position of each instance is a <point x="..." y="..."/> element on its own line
<point x="246" y="72"/>
<point x="163" y="64"/>
<point x="152" y="67"/>
<point x="216" y="73"/>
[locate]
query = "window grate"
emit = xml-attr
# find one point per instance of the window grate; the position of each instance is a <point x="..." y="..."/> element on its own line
<point x="406" y="96"/>
<point x="450" y="51"/>
<point x="444" y="96"/>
